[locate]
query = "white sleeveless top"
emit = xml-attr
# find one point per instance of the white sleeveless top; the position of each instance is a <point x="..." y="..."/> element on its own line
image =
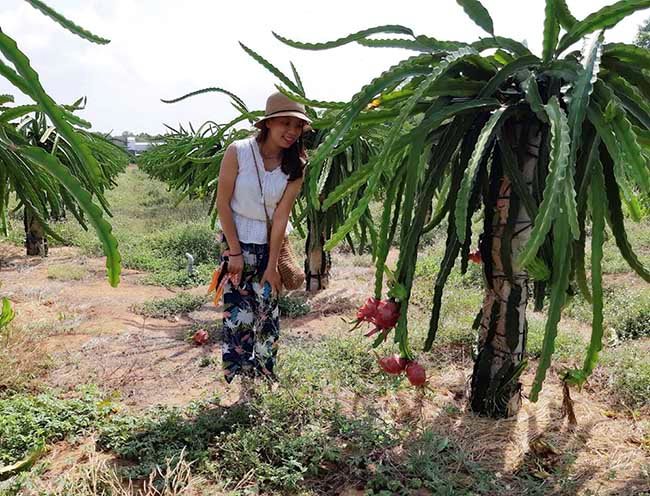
<point x="246" y="203"/>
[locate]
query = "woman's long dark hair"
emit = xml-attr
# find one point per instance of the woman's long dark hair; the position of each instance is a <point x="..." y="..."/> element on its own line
<point x="293" y="158"/>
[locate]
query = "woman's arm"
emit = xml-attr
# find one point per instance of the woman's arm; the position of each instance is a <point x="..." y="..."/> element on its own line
<point x="280" y="220"/>
<point x="225" y="188"/>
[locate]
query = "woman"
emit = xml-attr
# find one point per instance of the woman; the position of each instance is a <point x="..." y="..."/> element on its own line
<point x="270" y="166"/>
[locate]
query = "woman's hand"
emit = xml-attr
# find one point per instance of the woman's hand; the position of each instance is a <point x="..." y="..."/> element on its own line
<point x="235" y="268"/>
<point x="272" y="276"/>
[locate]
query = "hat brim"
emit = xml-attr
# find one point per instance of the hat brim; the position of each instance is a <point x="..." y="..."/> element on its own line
<point x="288" y="113"/>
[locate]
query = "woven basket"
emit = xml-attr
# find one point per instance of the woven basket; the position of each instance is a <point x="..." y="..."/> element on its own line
<point x="290" y="272"/>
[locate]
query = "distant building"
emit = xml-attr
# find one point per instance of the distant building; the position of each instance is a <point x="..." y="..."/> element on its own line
<point x="119" y="141"/>
<point x="131" y="145"/>
<point x="137" y="147"/>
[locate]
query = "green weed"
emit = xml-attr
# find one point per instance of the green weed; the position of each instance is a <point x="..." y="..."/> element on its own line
<point x="28" y="421"/>
<point x="169" y="307"/>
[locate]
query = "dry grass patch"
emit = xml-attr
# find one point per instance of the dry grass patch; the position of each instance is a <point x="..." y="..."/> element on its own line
<point x="67" y="272"/>
<point x="22" y="360"/>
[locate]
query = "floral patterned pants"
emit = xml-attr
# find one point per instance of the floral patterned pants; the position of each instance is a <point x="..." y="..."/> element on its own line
<point x="251" y="324"/>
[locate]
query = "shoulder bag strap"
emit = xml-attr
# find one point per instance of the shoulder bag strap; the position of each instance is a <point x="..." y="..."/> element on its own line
<point x="259" y="181"/>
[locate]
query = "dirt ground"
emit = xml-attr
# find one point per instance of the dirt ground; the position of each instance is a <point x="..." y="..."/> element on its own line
<point x="93" y="336"/>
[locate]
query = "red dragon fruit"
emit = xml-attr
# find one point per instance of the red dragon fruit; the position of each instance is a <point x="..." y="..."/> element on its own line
<point x="387" y="314"/>
<point x="393" y="364"/>
<point x="416" y="374"/>
<point x="367" y="312"/>
<point x="201" y="336"/>
<point x="385" y="319"/>
<point x="383" y="314"/>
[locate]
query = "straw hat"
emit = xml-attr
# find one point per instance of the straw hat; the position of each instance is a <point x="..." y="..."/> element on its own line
<point x="280" y="105"/>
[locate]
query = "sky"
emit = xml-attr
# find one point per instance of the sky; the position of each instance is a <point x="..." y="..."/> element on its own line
<point x="166" y="48"/>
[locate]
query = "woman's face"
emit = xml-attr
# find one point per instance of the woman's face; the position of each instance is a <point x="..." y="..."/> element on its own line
<point x="284" y="131"/>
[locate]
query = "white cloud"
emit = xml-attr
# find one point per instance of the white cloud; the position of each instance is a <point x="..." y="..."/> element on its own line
<point x="165" y="48"/>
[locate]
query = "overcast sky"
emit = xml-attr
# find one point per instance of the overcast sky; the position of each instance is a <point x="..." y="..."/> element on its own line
<point x="165" y="48"/>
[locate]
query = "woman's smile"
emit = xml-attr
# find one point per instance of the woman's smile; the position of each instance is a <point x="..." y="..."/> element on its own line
<point x="288" y="140"/>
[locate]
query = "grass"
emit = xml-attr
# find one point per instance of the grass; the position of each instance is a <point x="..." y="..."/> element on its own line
<point x="99" y="477"/>
<point x="569" y="344"/>
<point x="629" y="375"/>
<point x="308" y="437"/>
<point x="182" y="303"/>
<point x="292" y="307"/>
<point x="153" y="232"/>
<point x="636" y="324"/>
<point x="28" y="421"/>
<point x="431" y="462"/>
<point x="623" y="301"/>
<point x="21" y="360"/>
<point x="639" y="236"/>
<point x="301" y="438"/>
<point x="66" y="272"/>
<point x="462" y="299"/>
<point x="283" y="437"/>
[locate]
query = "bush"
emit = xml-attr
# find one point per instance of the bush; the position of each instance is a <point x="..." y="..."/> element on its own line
<point x="197" y="239"/>
<point x="644" y="203"/>
<point x="153" y="231"/>
<point x="180" y="277"/>
<point x="163" y="255"/>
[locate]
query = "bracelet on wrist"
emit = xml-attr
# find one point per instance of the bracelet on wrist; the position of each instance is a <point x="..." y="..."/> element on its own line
<point x="235" y="254"/>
